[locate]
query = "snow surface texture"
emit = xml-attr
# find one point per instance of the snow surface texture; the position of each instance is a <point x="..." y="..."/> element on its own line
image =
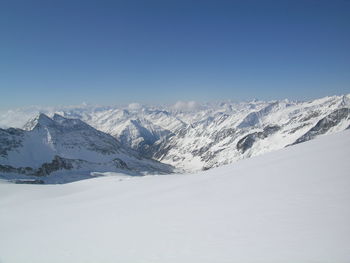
<point x="290" y="205"/>
<point x="194" y="136"/>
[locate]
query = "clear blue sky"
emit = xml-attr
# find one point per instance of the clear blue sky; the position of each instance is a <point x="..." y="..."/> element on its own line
<point x="110" y="52"/>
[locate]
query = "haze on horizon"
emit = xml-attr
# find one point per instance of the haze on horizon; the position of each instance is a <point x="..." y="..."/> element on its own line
<point x="119" y="52"/>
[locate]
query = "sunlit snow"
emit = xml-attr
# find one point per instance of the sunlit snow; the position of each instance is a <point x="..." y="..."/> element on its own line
<point x="290" y="205"/>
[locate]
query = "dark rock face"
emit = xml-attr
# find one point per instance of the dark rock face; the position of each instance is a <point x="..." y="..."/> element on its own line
<point x="8" y="169"/>
<point x="120" y="163"/>
<point x="159" y="150"/>
<point x="57" y="163"/>
<point x="323" y="125"/>
<point x="28" y="181"/>
<point x="248" y="141"/>
<point x="268" y="130"/>
<point x="20" y="170"/>
<point x="311" y="116"/>
<point x="220" y="135"/>
<point x="297" y="128"/>
<point x="9" y="139"/>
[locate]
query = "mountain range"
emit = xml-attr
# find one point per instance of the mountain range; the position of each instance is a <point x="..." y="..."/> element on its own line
<point x="157" y="139"/>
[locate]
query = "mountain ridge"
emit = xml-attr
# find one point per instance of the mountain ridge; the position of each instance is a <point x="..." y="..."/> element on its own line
<point x="57" y="145"/>
<point x="207" y="136"/>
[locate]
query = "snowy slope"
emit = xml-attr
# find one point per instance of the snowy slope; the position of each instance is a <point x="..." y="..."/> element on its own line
<point x="291" y="205"/>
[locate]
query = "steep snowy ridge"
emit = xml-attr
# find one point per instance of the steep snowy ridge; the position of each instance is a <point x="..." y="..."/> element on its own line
<point x="338" y="119"/>
<point x="189" y="137"/>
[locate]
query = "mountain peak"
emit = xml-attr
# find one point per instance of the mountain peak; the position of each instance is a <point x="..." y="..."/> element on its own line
<point x="41" y="119"/>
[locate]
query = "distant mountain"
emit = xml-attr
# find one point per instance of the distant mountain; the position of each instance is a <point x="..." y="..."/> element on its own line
<point x="223" y="137"/>
<point x="188" y="138"/>
<point x="59" y="145"/>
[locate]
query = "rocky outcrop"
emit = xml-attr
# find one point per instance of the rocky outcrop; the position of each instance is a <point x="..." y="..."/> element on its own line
<point x="325" y="124"/>
<point x="248" y="141"/>
<point x="20" y="170"/>
<point x="59" y="164"/>
<point x="10" y="139"/>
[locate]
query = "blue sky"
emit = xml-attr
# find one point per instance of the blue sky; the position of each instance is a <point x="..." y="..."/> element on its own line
<point x="116" y="52"/>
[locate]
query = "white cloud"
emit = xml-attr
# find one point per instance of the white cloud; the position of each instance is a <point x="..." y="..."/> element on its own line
<point x="134" y="106"/>
<point x="186" y="105"/>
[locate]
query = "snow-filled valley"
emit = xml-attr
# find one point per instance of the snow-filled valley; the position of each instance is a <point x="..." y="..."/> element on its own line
<point x="290" y="205"/>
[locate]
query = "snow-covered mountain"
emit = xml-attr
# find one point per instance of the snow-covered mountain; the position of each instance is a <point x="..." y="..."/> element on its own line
<point x="290" y="205"/>
<point x="60" y="145"/>
<point x="222" y="137"/>
<point x="192" y="136"/>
